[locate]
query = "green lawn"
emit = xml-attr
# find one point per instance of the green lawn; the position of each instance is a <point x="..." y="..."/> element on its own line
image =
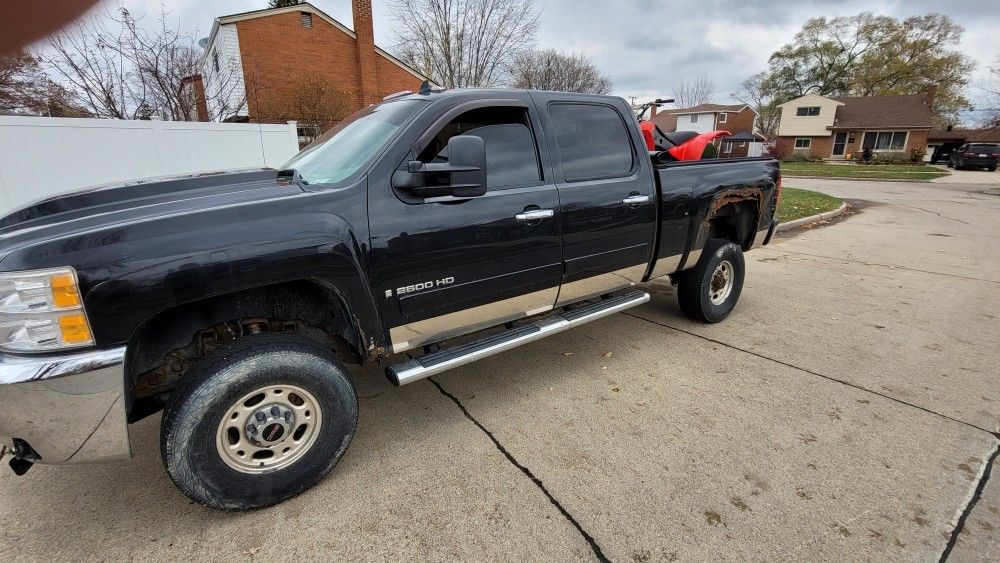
<point x="874" y="172"/>
<point x="796" y="204"/>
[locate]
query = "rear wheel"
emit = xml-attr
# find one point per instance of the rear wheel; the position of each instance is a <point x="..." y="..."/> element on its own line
<point x="709" y="291"/>
<point x="258" y="421"/>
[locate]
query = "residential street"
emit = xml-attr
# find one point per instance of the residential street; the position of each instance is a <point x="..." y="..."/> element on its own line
<point x="847" y="410"/>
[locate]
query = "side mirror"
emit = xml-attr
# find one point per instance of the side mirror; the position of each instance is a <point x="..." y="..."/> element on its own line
<point x="464" y="175"/>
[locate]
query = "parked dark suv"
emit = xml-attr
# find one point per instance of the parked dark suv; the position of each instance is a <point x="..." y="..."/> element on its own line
<point x="975" y="155"/>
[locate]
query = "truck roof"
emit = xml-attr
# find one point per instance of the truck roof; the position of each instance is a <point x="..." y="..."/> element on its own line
<point x="444" y="93"/>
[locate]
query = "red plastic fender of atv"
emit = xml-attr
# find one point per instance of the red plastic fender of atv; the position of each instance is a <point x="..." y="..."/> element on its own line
<point x="693" y="149"/>
<point x="647" y="128"/>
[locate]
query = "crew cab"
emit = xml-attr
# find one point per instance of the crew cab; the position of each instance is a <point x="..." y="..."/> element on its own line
<point x="449" y="225"/>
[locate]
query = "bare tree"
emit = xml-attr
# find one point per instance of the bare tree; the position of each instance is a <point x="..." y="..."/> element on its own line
<point x="117" y="68"/>
<point x="25" y="89"/>
<point x="316" y="103"/>
<point x="696" y="91"/>
<point x="551" y="70"/>
<point x="462" y="43"/>
<point x="757" y="93"/>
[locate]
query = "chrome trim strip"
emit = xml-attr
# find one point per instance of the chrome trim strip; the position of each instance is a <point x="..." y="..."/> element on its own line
<point x="69" y="408"/>
<point x="412" y="370"/>
<point x="666" y="266"/>
<point x="418" y="333"/>
<point x="600" y="284"/>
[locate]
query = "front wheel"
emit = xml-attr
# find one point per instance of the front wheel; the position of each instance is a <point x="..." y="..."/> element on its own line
<point x="258" y="421"/>
<point x="708" y="292"/>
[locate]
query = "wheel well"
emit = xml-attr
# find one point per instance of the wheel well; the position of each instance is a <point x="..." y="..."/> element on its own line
<point x="165" y="347"/>
<point x="735" y="221"/>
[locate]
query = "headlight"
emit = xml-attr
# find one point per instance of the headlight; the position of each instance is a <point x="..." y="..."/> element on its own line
<point x="42" y="310"/>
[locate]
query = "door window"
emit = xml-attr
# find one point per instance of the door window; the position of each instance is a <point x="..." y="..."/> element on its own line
<point x="511" y="154"/>
<point x="593" y="142"/>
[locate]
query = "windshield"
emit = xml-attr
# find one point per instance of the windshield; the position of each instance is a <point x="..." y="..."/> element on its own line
<point x="350" y="144"/>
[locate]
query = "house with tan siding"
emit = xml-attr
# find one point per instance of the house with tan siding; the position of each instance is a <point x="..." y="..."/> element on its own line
<point x="838" y="128"/>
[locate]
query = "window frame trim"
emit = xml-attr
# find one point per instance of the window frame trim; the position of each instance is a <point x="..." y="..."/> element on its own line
<point x="808" y="140"/>
<point x="819" y="109"/>
<point x="892" y="132"/>
<point x="636" y="166"/>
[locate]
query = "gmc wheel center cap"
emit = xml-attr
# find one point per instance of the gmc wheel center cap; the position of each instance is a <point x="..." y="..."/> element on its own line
<point x="270" y="424"/>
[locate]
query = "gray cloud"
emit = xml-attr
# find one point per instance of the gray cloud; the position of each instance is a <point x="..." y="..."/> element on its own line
<point x="648" y="47"/>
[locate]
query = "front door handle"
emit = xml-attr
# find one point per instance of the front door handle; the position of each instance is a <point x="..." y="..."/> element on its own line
<point x="636" y="199"/>
<point x="535" y="215"/>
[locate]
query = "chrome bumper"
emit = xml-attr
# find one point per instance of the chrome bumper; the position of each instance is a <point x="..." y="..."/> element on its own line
<point x="69" y="408"/>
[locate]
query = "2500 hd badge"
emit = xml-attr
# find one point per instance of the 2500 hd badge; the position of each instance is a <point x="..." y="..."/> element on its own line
<point x="231" y="302"/>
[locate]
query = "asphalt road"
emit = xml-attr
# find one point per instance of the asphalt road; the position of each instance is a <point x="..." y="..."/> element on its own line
<point x="848" y="409"/>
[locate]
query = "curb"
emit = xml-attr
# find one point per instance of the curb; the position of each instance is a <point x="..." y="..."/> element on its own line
<point x="811" y="219"/>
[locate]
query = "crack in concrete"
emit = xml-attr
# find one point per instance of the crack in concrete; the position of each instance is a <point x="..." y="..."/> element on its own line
<point x="598" y="553"/>
<point x="817" y="374"/>
<point x="869" y="263"/>
<point x="934" y="213"/>
<point x="965" y="511"/>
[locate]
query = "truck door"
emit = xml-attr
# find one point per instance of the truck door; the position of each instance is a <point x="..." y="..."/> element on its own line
<point x="607" y="194"/>
<point x="446" y="266"/>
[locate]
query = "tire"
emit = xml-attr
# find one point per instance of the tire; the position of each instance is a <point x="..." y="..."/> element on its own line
<point x="949" y="164"/>
<point x="694" y="287"/>
<point x="993" y="169"/>
<point x="291" y="373"/>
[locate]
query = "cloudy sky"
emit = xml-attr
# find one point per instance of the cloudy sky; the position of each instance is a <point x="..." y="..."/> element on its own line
<point x="648" y="46"/>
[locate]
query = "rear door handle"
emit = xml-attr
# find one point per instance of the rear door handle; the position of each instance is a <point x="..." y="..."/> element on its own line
<point x="535" y="215"/>
<point x="636" y="199"/>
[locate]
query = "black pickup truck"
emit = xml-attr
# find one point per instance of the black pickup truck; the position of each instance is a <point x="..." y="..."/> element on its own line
<point x="450" y="225"/>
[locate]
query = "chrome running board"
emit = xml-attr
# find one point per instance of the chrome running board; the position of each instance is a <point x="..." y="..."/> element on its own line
<point x="416" y="369"/>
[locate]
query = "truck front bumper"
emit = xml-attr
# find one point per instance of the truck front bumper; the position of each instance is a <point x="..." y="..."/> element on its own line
<point x="66" y="408"/>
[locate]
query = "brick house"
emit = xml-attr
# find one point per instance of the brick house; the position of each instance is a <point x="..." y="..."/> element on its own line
<point x="739" y="119"/>
<point x="837" y="128"/>
<point x="268" y="53"/>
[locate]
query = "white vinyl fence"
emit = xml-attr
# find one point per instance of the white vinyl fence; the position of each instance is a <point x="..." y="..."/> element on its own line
<point x="45" y="156"/>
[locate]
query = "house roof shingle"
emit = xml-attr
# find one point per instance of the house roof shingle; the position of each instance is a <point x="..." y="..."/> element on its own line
<point x="876" y="112"/>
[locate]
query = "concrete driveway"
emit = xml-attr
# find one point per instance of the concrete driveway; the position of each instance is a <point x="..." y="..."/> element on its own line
<point x="976" y="176"/>
<point x="848" y="409"/>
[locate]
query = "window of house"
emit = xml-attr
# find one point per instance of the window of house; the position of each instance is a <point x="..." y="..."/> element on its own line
<point x="593" y="141"/>
<point x="743" y="144"/>
<point x="884" y="140"/>
<point x="722" y="117"/>
<point x="727" y="148"/>
<point x="511" y="154"/>
<point x="803" y="143"/>
<point x="807" y="111"/>
<point x="307" y="19"/>
<point x="694" y="118"/>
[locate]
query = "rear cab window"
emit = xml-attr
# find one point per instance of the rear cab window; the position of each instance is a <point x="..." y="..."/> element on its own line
<point x="593" y="141"/>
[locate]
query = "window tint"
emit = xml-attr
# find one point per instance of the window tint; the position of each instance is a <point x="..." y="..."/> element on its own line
<point x="803" y="143"/>
<point x="810" y="110"/>
<point x="593" y="141"/>
<point x="511" y="157"/>
<point x="987" y="149"/>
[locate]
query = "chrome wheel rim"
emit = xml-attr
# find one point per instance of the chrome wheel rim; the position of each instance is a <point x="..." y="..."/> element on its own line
<point x="721" y="284"/>
<point x="269" y="429"/>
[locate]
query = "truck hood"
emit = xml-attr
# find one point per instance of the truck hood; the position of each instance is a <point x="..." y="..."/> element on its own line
<point x="106" y="205"/>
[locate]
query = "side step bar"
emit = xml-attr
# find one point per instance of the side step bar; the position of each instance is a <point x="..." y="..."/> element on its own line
<point x="431" y="364"/>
